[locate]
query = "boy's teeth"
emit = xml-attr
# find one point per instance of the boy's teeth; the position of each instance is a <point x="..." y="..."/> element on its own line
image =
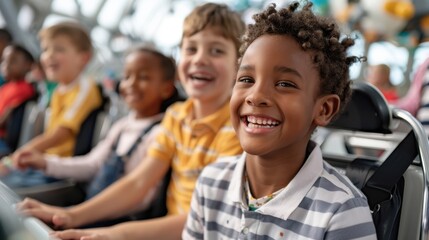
<point x="252" y="125"/>
<point x="199" y="76"/>
<point x="252" y="120"/>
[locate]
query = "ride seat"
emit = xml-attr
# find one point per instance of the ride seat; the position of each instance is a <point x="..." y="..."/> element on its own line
<point x="90" y="127"/>
<point x="17" y="120"/>
<point x="33" y="123"/>
<point x="371" y="132"/>
<point x="67" y="192"/>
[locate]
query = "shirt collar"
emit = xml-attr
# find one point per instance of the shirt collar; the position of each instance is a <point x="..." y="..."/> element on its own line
<point x="134" y="123"/>
<point x="235" y="190"/>
<point x="63" y="88"/>
<point x="132" y="116"/>
<point x="214" y="121"/>
<point x="292" y="194"/>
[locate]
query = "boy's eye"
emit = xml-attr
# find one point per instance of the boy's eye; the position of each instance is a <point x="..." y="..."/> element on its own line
<point x="245" y="80"/>
<point x="140" y="77"/>
<point x="216" y="51"/>
<point x="190" y="50"/>
<point x="286" y="84"/>
<point x="59" y="48"/>
<point x="143" y="77"/>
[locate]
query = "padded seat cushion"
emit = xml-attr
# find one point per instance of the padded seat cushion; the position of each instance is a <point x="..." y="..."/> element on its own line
<point x="364" y="113"/>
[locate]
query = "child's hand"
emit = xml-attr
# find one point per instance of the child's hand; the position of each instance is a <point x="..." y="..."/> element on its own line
<point x="17" y="155"/>
<point x="30" y="158"/>
<point x="6" y="163"/>
<point x="59" y="217"/>
<point x="88" y="234"/>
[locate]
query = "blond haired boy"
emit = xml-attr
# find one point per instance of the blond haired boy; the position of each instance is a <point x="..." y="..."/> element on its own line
<point x="194" y="134"/>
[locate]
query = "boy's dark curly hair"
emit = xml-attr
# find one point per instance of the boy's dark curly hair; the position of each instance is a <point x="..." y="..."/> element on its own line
<point x="314" y="33"/>
<point x="22" y="50"/>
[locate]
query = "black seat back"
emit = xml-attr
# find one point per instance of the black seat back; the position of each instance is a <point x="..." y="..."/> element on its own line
<point x="15" y="121"/>
<point x="13" y="126"/>
<point x="368" y="113"/>
<point x="86" y="133"/>
<point x="85" y="136"/>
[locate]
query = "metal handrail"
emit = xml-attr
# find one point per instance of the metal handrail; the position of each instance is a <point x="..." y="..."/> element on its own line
<point x="423" y="148"/>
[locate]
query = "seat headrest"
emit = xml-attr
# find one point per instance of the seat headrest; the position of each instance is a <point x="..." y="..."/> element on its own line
<point x="367" y="111"/>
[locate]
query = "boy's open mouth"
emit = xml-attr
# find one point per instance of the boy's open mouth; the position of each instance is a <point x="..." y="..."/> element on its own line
<point x="259" y="122"/>
<point x="52" y="66"/>
<point x="201" y="77"/>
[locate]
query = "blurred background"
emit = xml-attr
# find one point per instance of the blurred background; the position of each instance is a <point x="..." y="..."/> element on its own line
<point x="392" y="32"/>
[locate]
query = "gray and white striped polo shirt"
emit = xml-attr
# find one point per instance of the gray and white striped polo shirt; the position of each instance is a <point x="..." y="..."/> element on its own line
<point x="319" y="203"/>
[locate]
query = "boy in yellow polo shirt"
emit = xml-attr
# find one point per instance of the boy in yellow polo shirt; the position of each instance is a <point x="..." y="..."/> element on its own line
<point x="66" y="50"/>
<point x="194" y="134"/>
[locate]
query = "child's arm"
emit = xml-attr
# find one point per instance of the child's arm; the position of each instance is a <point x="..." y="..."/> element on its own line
<point x="47" y="140"/>
<point x="160" y="228"/>
<point x="41" y="143"/>
<point x="31" y="158"/>
<point x="80" y="168"/>
<point x="120" y="198"/>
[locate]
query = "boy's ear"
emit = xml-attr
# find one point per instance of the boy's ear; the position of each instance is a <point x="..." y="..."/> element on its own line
<point x="86" y="57"/>
<point x="168" y="90"/>
<point x="329" y="105"/>
<point x="30" y="66"/>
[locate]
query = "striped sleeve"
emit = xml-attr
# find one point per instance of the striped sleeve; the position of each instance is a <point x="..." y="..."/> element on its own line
<point x="194" y="223"/>
<point x="352" y="220"/>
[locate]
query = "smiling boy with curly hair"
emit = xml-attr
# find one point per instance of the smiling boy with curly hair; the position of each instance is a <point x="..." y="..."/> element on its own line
<point x="293" y="77"/>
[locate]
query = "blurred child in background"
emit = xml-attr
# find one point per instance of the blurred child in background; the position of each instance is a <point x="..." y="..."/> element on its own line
<point x="147" y="88"/>
<point x="379" y="76"/>
<point x="66" y="50"/>
<point x="45" y="86"/>
<point x="16" y="64"/>
<point x="193" y="134"/>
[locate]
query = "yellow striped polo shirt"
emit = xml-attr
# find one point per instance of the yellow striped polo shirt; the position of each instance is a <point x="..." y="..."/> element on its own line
<point x="188" y="145"/>
<point x="70" y="106"/>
